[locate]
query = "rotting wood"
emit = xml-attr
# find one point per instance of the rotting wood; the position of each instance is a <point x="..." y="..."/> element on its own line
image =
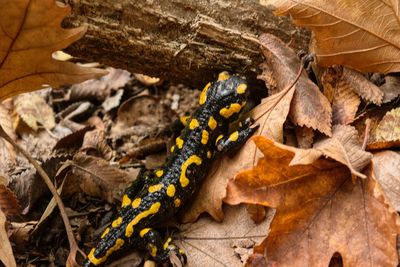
<point x="185" y="41"/>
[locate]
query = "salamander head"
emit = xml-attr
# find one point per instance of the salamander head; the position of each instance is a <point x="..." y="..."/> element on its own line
<point x="228" y="94"/>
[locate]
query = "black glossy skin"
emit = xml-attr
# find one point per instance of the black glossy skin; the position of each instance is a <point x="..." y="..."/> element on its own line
<point x="219" y="95"/>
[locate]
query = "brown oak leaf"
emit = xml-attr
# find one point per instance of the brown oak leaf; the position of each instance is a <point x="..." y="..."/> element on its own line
<point x="30" y="32"/>
<point x="320" y="211"/>
<point x="360" y="34"/>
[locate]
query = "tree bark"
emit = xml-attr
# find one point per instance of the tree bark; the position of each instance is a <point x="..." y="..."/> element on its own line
<point x="186" y="41"/>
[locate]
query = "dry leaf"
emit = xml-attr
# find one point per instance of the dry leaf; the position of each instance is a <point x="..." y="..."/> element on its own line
<point x="6" y="253"/>
<point x="345" y="147"/>
<point x="309" y="107"/>
<point x="96" y="177"/>
<point x="320" y="211"/>
<point x="95" y="144"/>
<point x="345" y="105"/>
<point x="141" y="115"/>
<point x="9" y="203"/>
<point x="208" y="242"/>
<point x="360" y="34"/>
<point x="362" y="86"/>
<point x="31" y="32"/>
<point x="386" y="167"/>
<point x="7" y="152"/>
<point x="391" y="88"/>
<point x="304" y="136"/>
<point x="99" y="89"/>
<point x="34" y="110"/>
<point x="389" y="128"/>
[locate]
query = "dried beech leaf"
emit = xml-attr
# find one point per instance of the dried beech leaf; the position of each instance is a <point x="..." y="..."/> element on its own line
<point x="319" y="211"/>
<point x="31" y="32"/>
<point x="99" y="89"/>
<point x="362" y="86"/>
<point x="309" y="107"/>
<point x="98" y="178"/>
<point x="389" y="128"/>
<point x="344" y="101"/>
<point x="95" y="144"/>
<point x="9" y="203"/>
<point x="386" y="167"/>
<point x="345" y="147"/>
<point x="6" y="253"/>
<point x="141" y="115"/>
<point x="391" y="88"/>
<point x="360" y="34"/>
<point x="34" y="110"/>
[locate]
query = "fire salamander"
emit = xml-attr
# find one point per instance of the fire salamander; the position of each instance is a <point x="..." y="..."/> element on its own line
<point x="156" y="196"/>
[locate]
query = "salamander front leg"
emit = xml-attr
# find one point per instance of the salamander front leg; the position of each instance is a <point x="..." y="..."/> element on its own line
<point x="236" y="139"/>
<point x="157" y="249"/>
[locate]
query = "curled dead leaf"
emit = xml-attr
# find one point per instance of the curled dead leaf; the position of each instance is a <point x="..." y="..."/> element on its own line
<point x="34" y="110"/>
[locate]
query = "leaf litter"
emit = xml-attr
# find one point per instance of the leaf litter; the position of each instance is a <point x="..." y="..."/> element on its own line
<point x="106" y="129"/>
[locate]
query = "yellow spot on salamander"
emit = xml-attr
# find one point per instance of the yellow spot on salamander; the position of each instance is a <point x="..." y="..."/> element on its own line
<point x="193" y="159"/>
<point x="159" y="173"/>
<point x="155" y="188"/>
<point x="219" y="138"/>
<point x="96" y="261"/>
<point x="234" y="136"/>
<point x="153" y="250"/>
<point x="152" y="210"/>
<point x="193" y="124"/>
<point x="184" y="120"/>
<point x="203" y="95"/>
<point x="171" y="190"/>
<point x="105" y="232"/>
<point x="136" y="203"/>
<point x="204" y="137"/>
<point x="212" y="123"/>
<point x="179" y="142"/>
<point x="177" y="202"/>
<point x="241" y="89"/>
<point x="144" y="231"/>
<point x="172" y="149"/>
<point x="209" y="154"/>
<point x="233" y="108"/>
<point x="166" y="244"/>
<point x="223" y="76"/>
<point x="126" y="201"/>
<point x="116" y="222"/>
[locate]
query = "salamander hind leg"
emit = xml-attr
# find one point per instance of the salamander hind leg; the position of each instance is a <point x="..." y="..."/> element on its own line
<point x="158" y="249"/>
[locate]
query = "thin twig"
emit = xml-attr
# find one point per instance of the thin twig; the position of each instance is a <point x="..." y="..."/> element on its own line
<point x="71" y="239"/>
